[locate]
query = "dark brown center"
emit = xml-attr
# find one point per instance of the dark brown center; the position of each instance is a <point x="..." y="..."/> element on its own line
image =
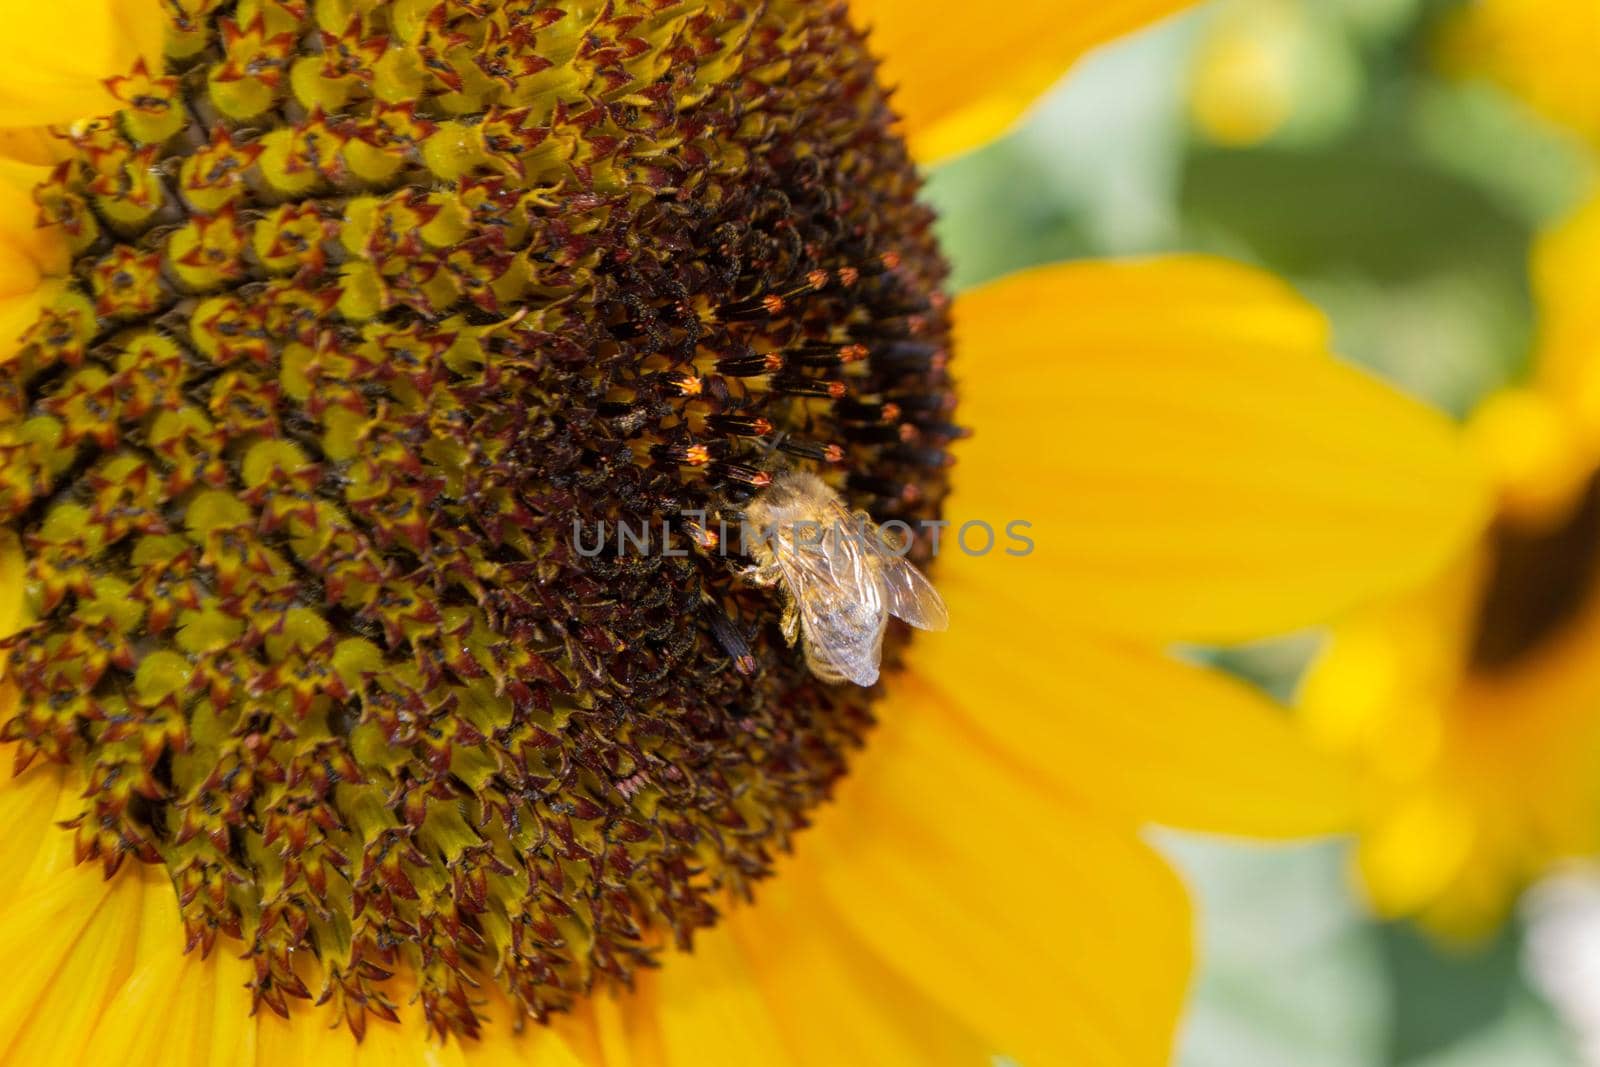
<point x="372" y="302"/>
<point x="1539" y="582"/>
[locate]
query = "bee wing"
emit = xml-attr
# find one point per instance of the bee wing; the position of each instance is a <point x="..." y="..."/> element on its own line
<point x="907" y="593"/>
<point x="842" y="610"/>
<point x="844" y="652"/>
<point x="910" y="596"/>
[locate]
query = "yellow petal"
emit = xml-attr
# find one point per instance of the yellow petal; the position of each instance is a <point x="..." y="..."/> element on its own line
<point x="13" y="571"/>
<point x="37" y="795"/>
<point x="26" y="807"/>
<point x="100" y="976"/>
<point x="31" y="257"/>
<point x="39" y="933"/>
<point x="33" y="144"/>
<point x="75" y="1000"/>
<point x="963" y="74"/>
<point x="1124" y="726"/>
<point x="148" y="989"/>
<point x="1410" y="856"/>
<point x="1192" y="462"/>
<point x="710" y="1001"/>
<point x="59" y="55"/>
<point x="1542" y="50"/>
<point x="302" y="1040"/>
<point x="176" y="1008"/>
<point x="19" y="274"/>
<point x="1566" y="268"/>
<point x="626" y="1029"/>
<point x="1564" y="275"/>
<point x="755" y="987"/>
<point x="810" y="966"/>
<point x="1052" y="933"/>
<point x="17" y="314"/>
<point x="59" y="802"/>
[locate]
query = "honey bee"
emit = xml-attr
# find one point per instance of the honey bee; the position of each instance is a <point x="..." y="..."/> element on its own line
<point x="840" y="578"/>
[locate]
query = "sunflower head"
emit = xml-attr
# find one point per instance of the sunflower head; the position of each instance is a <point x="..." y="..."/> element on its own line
<point x="371" y="305"/>
<point x="1472" y="703"/>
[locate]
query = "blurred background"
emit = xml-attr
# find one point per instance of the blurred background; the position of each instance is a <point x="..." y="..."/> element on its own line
<point x="1325" y="140"/>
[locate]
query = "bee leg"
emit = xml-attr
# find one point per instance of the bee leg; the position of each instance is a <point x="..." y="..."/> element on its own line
<point x="791" y="621"/>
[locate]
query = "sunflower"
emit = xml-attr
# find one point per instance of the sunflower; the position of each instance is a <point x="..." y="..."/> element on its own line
<point x="327" y="743"/>
<point x="1472" y="704"/>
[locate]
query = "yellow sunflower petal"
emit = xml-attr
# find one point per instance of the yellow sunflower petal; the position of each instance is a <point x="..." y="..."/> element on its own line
<point x="281" y="1040"/>
<point x="39" y="933"/>
<point x="754" y="988"/>
<point x="22" y="240"/>
<point x="110" y="986"/>
<point x="13" y="569"/>
<point x="1565" y="272"/>
<point x="26" y="807"/>
<point x="76" y="999"/>
<point x="53" y="853"/>
<point x="1193" y="463"/>
<point x="101" y="976"/>
<point x="963" y="76"/>
<point x="1054" y="934"/>
<point x="59" y="55"/>
<point x="19" y="278"/>
<point x="1123" y="725"/>
<point x="627" y="1030"/>
<point x="1541" y="50"/>
<point x="33" y="144"/>
<point x="19" y="312"/>
<point x="809" y="966"/>
<point x="32" y="259"/>
<point x="710" y="1001"/>
<point x="172" y="1008"/>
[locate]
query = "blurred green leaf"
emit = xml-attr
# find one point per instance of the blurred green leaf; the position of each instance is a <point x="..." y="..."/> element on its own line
<point x="1473" y="129"/>
<point x="1356" y="207"/>
<point x="1525" y="1035"/>
<point x="1443" y="996"/>
<point x="1448" y="338"/>
<point x="1000" y="211"/>
<point x="1093" y="171"/>
<point x="1274" y="664"/>
<point x="1292" y="974"/>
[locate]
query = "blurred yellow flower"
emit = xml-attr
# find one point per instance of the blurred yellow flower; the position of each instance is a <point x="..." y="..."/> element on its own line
<point x="1472" y="706"/>
<point x="1541" y="50"/>
<point x="324" y="345"/>
<point x="1248" y="70"/>
<point x="1268" y="70"/>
